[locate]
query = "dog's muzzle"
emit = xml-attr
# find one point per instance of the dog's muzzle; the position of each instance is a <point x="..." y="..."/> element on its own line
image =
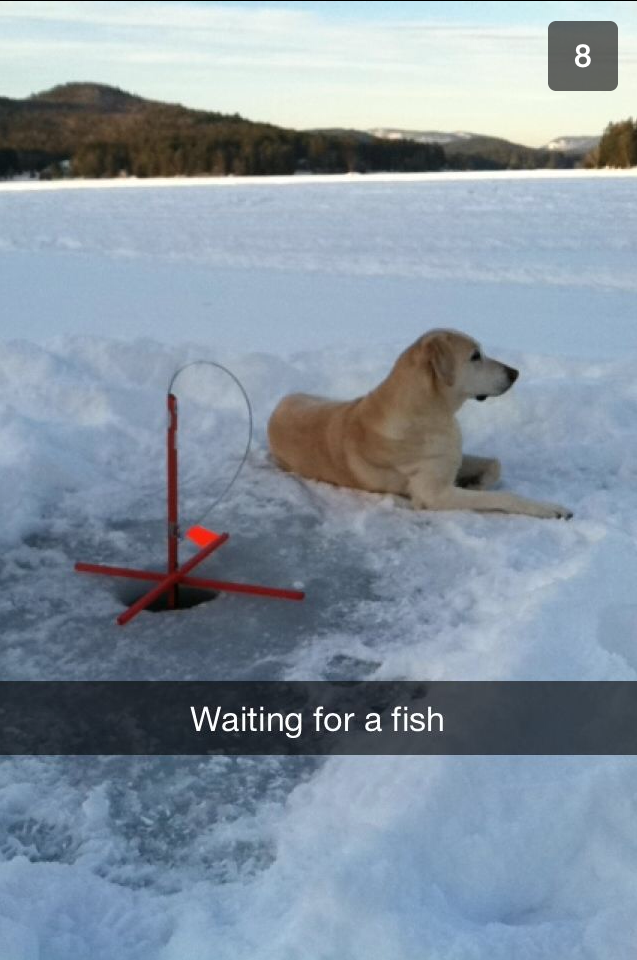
<point x="511" y="374"/>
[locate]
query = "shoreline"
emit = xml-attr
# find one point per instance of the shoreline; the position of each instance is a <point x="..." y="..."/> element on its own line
<point x="430" y="177"/>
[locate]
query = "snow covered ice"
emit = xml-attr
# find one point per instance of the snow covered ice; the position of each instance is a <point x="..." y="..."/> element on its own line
<point x="317" y="284"/>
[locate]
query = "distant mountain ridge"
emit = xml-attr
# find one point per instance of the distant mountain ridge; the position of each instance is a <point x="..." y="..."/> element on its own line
<point x="95" y="130"/>
<point x="458" y="138"/>
<point x="460" y="141"/>
<point x="421" y="136"/>
<point x="576" y="145"/>
<point x="96" y="96"/>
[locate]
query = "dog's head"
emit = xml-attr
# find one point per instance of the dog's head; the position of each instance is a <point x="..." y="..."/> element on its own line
<point x="458" y="368"/>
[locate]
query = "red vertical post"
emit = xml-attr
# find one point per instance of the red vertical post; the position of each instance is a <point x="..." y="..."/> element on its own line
<point x="173" y="497"/>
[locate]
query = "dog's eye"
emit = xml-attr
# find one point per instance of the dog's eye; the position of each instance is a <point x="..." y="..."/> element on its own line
<point x="476" y="355"/>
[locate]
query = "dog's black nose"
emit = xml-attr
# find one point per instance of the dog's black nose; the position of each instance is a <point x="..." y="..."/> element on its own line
<point x="512" y="374"/>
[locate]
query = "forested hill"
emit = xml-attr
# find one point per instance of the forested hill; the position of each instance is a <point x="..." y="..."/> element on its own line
<point x="617" y="147"/>
<point x="99" y="131"/>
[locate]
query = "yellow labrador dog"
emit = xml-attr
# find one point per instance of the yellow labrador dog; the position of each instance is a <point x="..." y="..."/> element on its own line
<point x="403" y="437"/>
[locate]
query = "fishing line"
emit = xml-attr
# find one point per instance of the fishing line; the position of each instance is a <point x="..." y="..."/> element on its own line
<point x="242" y="462"/>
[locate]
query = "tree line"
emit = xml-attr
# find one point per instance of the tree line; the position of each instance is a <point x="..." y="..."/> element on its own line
<point x="617" y="147"/>
<point x="227" y="150"/>
<point x="158" y="144"/>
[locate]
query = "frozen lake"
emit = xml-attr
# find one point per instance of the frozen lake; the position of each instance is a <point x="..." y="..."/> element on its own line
<point x="318" y="285"/>
<point x="297" y="264"/>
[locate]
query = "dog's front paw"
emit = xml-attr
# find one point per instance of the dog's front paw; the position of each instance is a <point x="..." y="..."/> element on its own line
<point x="553" y="511"/>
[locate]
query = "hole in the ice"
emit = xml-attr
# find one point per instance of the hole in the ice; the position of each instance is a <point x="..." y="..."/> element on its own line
<point x="187" y="597"/>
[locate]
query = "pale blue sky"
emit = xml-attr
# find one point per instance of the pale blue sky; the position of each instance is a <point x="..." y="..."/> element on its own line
<point x="446" y="66"/>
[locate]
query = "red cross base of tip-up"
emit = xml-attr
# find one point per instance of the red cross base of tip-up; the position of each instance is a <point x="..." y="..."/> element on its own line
<point x="208" y="541"/>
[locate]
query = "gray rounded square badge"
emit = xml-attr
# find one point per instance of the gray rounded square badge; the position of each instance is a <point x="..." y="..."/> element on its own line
<point x="583" y="55"/>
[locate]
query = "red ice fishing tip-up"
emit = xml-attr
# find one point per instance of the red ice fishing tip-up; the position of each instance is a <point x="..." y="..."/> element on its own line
<point x="201" y="536"/>
<point x="205" y="539"/>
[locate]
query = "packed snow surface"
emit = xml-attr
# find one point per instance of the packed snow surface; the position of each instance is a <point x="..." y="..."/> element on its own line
<point x="317" y="285"/>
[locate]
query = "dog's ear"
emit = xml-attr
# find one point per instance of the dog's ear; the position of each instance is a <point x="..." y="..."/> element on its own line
<point x="440" y="355"/>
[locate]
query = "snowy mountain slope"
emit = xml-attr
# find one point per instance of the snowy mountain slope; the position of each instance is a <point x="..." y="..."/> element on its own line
<point x="579" y="145"/>
<point x="421" y="136"/>
<point x="459" y="142"/>
<point x="383" y="858"/>
<point x="565" y="144"/>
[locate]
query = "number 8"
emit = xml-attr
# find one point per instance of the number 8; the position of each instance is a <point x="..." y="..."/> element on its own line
<point x="582" y="50"/>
